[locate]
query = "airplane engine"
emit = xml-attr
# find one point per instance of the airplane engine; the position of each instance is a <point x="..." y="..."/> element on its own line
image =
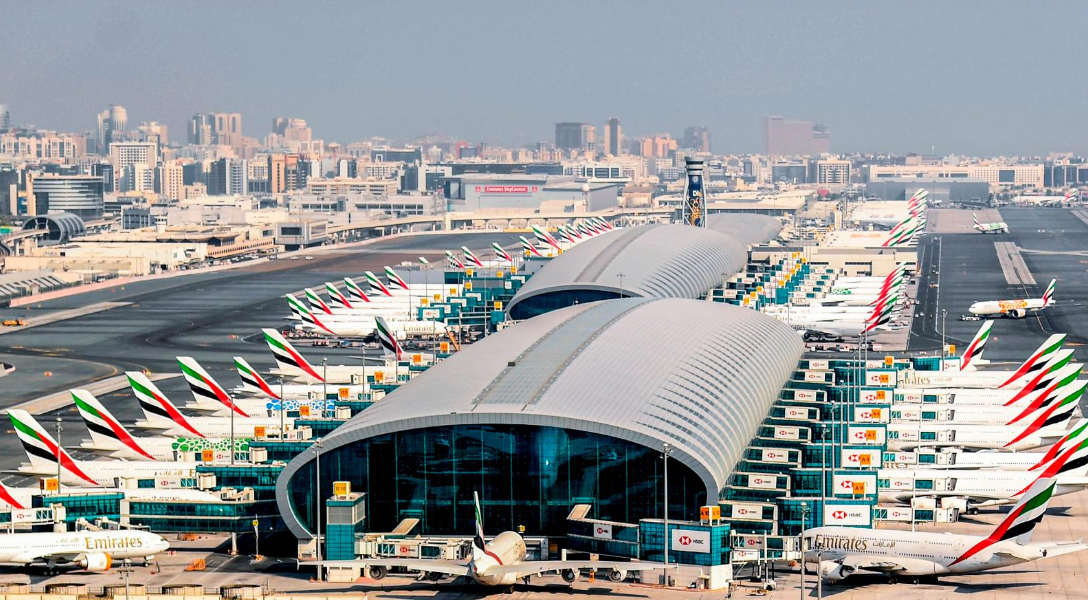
<point x="617" y="575"/>
<point x="833" y="571"/>
<point x="96" y="562"/>
<point x="377" y="572"/>
<point x="1019" y="313"/>
<point x="569" y="575"/>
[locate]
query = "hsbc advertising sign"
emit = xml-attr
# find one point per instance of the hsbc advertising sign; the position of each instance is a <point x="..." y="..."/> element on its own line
<point x="687" y="540"/>
<point x="748" y="542"/>
<point x="796" y="413"/>
<point x="853" y="485"/>
<point x="864" y="459"/>
<point x="880" y="378"/>
<point x="808" y="395"/>
<point x="866" y="435"/>
<point x="746" y="512"/>
<point x="775" y="455"/>
<point x="602" y="531"/>
<point x="899" y="513"/>
<point x="847" y="514"/>
<point x="763" y="482"/>
<point x="787" y="433"/>
<point x="870" y="414"/>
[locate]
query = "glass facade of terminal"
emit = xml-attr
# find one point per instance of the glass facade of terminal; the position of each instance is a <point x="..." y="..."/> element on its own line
<point x="546" y="303"/>
<point x="526" y="476"/>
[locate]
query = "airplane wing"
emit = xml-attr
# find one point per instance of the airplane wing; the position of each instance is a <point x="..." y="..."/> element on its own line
<point x="537" y="567"/>
<point x="429" y="565"/>
<point x="1060" y="548"/>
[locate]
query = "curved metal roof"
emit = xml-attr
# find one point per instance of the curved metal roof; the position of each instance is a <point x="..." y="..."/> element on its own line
<point x="700" y="376"/>
<point x="61" y="226"/>
<point x="657" y="261"/>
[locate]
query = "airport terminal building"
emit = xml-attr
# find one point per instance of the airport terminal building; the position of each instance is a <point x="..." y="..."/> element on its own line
<point x="571" y="407"/>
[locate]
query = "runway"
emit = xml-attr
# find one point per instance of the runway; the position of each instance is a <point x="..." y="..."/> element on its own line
<point x="209" y="316"/>
<point x="966" y="268"/>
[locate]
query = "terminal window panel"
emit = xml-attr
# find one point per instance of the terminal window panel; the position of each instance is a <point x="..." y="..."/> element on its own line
<point x="526" y="476"/>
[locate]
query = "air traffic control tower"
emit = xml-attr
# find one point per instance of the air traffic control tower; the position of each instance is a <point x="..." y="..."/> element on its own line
<point x="694" y="207"/>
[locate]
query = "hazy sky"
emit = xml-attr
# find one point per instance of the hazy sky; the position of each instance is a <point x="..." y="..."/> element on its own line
<point x="976" y="77"/>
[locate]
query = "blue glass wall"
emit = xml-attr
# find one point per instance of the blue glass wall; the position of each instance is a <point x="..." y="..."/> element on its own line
<point x="545" y="303"/>
<point x="526" y="476"/>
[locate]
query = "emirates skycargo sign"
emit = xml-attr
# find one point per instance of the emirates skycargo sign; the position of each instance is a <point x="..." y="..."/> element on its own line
<point x="506" y="189"/>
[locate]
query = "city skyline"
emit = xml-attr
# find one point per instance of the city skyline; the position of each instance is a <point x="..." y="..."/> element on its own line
<point x="918" y="78"/>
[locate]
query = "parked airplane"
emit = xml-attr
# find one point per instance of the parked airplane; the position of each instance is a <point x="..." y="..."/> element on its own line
<point x="1043" y="427"/>
<point x="1070" y="449"/>
<point x="93" y="551"/>
<point x="109" y="436"/>
<point x="1046" y="360"/>
<point x="289" y="396"/>
<point x="843" y="551"/>
<point x="293" y="365"/>
<point x="1015" y="308"/>
<point x="44" y="453"/>
<point x="499" y="562"/>
<point x="363" y="324"/>
<point x="999" y="227"/>
<point x="161" y="414"/>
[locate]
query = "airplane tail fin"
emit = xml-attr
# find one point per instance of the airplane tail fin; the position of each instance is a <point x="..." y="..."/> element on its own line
<point x="501" y="253"/>
<point x="307" y="315"/>
<point x="106" y="431"/>
<point x="386" y="337"/>
<point x="1038" y="359"/>
<point x="356" y="291"/>
<point x="336" y="297"/>
<point x="974" y="350"/>
<point x="40" y="447"/>
<point x="376" y="284"/>
<point x="1073" y="459"/>
<point x="453" y="260"/>
<point x="1021" y="520"/>
<point x="1061" y="445"/>
<point x="206" y="390"/>
<point x="479" y="549"/>
<point x="316" y="302"/>
<point x="1048" y="295"/>
<point x="289" y="360"/>
<point x="545" y="237"/>
<point x="252" y="380"/>
<point x="470" y="256"/>
<point x="393" y="277"/>
<point x="977" y="226"/>
<point x="528" y="247"/>
<point x="1049" y="390"/>
<point x="1058" y="413"/>
<point x="159" y="411"/>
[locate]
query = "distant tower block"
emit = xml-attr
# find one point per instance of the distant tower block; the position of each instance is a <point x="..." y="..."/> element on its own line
<point x="694" y="208"/>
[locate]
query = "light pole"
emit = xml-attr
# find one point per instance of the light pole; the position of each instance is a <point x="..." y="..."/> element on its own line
<point x="666" y="450"/>
<point x="944" y="346"/>
<point x="801" y="543"/>
<point x="819" y="576"/>
<point x="325" y="383"/>
<point x="823" y="461"/>
<point x="319" y="505"/>
<point x="620" y="277"/>
<point x="59" y="450"/>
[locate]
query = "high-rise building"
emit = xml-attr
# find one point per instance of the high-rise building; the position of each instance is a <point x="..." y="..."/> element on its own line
<point x="5" y="118"/>
<point x="153" y="132"/>
<point x="228" y="176"/>
<point x="661" y="145"/>
<point x="613" y="137"/>
<point x="277" y="165"/>
<point x="124" y="154"/>
<point x="170" y="180"/>
<point x="575" y="136"/>
<point x="200" y="130"/>
<point x="138" y="177"/>
<point x="697" y="138"/>
<point x="111" y="121"/>
<point x="77" y="194"/>
<point x="782" y="137"/>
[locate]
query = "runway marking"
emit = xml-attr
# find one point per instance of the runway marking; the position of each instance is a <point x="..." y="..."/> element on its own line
<point x="63" y="315"/>
<point x="1013" y="267"/>
<point x="1081" y="214"/>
